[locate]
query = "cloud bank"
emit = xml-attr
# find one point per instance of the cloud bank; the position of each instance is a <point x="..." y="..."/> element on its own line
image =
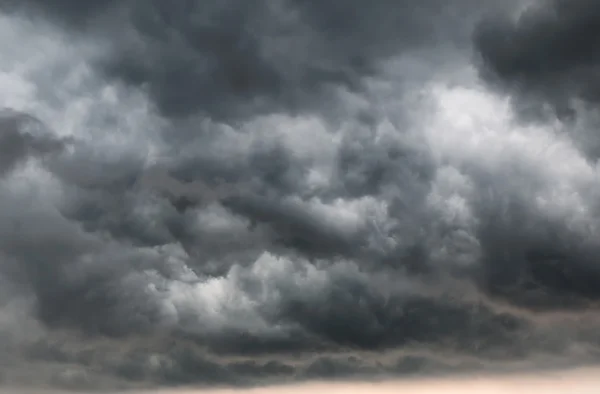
<point x="226" y="193"/>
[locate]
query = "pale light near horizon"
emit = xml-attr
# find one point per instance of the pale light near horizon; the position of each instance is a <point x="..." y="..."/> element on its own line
<point x="581" y="381"/>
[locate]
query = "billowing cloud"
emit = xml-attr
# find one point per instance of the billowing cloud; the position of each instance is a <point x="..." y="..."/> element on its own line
<point x="546" y="54"/>
<point x="20" y="141"/>
<point x="231" y="59"/>
<point x="240" y="194"/>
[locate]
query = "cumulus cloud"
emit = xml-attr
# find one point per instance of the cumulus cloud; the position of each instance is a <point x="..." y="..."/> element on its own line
<point x="224" y="193"/>
<point x="20" y="144"/>
<point x="545" y="54"/>
<point x="231" y="59"/>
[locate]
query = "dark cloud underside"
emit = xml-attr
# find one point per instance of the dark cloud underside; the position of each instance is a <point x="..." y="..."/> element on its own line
<point x="234" y="59"/>
<point x="280" y="190"/>
<point x="547" y="55"/>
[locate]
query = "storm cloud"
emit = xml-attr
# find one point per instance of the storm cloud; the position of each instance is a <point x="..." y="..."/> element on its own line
<point x="546" y="54"/>
<point x="237" y="59"/>
<point x="241" y="193"/>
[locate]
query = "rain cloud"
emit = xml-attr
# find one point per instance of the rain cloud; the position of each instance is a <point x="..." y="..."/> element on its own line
<point x="234" y="193"/>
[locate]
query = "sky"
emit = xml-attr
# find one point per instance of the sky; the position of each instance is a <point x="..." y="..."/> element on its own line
<point x="234" y="193"/>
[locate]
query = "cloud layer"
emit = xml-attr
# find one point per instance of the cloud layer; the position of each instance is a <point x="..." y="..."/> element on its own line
<point x="226" y="193"/>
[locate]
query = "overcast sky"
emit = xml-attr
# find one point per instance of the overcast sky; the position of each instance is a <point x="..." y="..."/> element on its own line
<point x="246" y="193"/>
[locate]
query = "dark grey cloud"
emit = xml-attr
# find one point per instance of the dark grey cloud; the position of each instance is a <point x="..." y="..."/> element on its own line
<point x="234" y="59"/>
<point x="73" y="13"/>
<point x="528" y="257"/>
<point x="207" y="223"/>
<point x="547" y="55"/>
<point x="22" y="137"/>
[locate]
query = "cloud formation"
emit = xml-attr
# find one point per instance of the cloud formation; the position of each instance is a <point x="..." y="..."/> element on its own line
<point x="235" y="59"/>
<point x="225" y="193"/>
<point x="546" y="54"/>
